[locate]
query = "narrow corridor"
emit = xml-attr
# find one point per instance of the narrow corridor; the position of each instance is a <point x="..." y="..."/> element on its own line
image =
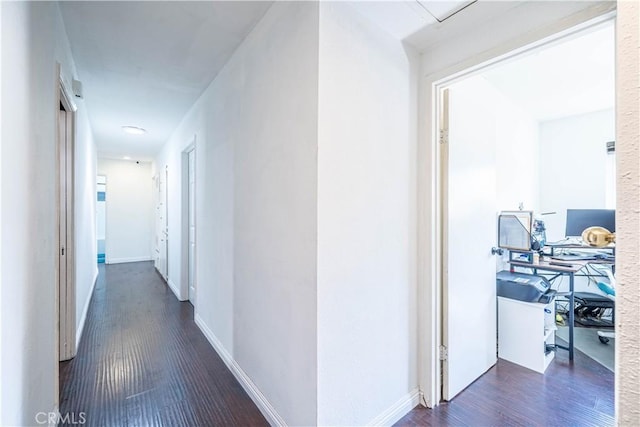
<point x="142" y="361"/>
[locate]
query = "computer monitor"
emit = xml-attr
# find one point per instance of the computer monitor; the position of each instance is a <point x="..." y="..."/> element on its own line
<point x="580" y="219"/>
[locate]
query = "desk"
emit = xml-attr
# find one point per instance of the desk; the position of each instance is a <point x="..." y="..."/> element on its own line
<point x="578" y="247"/>
<point x="570" y="270"/>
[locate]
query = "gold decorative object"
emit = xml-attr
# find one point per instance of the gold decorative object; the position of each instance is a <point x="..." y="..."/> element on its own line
<point x="598" y="237"/>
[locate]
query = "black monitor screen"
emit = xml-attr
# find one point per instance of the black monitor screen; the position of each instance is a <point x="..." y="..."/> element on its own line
<point x="580" y="219"/>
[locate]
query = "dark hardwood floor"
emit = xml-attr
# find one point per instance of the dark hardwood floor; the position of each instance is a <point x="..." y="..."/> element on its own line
<point x="142" y="361"/>
<point x="568" y="394"/>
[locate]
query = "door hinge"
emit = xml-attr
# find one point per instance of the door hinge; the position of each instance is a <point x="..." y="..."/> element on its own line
<point x="443" y="353"/>
<point x="62" y="251"/>
<point x="444" y="136"/>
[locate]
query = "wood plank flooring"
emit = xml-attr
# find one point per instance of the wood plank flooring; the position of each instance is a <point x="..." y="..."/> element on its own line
<point x="142" y="361"/>
<point x="568" y="394"/>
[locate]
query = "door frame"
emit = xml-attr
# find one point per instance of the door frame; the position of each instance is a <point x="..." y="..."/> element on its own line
<point x="65" y="322"/>
<point x="431" y="199"/>
<point x="105" y="214"/>
<point x="184" y="213"/>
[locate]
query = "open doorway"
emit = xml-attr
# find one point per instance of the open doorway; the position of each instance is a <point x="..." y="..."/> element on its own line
<point x="101" y="217"/>
<point x="531" y="133"/>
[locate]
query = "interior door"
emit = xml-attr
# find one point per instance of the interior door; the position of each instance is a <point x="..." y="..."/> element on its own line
<point x="161" y="226"/>
<point x="66" y="266"/>
<point x="62" y="234"/>
<point x="192" y="225"/>
<point x="165" y="230"/>
<point x="469" y="232"/>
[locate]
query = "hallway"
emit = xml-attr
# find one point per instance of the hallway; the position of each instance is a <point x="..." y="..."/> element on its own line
<point x="143" y="361"/>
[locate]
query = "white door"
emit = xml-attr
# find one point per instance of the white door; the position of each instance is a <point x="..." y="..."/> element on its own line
<point x="165" y="232"/>
<point x="469" y="232"/>
<point x="192" y="225"/>
<point x="66" y="286"/>
<point x="161" y="225"/>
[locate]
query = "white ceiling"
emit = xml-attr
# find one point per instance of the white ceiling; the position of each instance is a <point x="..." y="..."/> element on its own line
<point x="145" y="63"/>
<point x="573" y="77"/>
<point x="402" y="18"/>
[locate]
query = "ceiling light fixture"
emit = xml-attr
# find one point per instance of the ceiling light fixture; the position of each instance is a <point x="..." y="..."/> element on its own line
<point x="127" y="158"/>
<point x="134" y="130"/>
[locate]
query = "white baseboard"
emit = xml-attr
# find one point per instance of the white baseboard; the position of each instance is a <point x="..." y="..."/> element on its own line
<point x="398" y="410"/>
<point x="85" y="310"/>
<point x="130" y="259"/>
<point x="252" y="390"/>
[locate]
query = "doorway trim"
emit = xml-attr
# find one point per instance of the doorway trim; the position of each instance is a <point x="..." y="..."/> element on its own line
<point x="65" y="324"/>
<point x="430" y="170"/>
<point x="184" y="213"/>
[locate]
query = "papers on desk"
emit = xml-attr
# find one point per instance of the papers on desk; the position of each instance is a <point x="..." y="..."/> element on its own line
<point x="574" y="257"/>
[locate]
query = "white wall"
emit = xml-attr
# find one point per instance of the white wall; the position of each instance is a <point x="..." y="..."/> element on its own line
<point x="129" y="219"/>
<point x="85" y="217"/>
<point x="573" y="166"/>
<point x="628" y="209"/>
<point x="367" y="318"/>
<point x="256" y="145"/>
<point x="33" y="39"/>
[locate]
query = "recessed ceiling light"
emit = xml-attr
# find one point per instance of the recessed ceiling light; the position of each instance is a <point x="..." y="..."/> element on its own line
<point x="127" y="158"/>
<point x="134" y="130"/>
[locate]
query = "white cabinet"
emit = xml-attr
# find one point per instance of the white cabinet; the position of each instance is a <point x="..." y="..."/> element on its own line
<point x="525" y="330"/>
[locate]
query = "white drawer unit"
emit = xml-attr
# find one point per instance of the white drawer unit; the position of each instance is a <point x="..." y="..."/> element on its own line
<point x="526" y="331"/>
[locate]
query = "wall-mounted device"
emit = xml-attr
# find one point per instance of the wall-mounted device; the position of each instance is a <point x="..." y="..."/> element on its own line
<point x="76" y="87"/>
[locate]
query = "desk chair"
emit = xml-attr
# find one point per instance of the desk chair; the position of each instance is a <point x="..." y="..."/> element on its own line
<point x="592" y="309"/>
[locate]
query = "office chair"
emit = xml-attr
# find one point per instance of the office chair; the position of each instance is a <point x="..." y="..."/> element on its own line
<point x="600" y="237"/>
<point x="610" y="291"/>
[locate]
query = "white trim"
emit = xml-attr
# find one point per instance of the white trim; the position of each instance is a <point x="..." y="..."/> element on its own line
<point x="66" y="93"/>
<point x="56" y="410"/>
<point x="252" y="390"/>
<point x="184" y="218"/>
<point x="174" y="288"/>
<point x="125" y="260"/>
<point x="65" y="297"/>
<point x="83" y="318"/>
<point x="429" y="169"/>
<point x="398" y="410"/>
